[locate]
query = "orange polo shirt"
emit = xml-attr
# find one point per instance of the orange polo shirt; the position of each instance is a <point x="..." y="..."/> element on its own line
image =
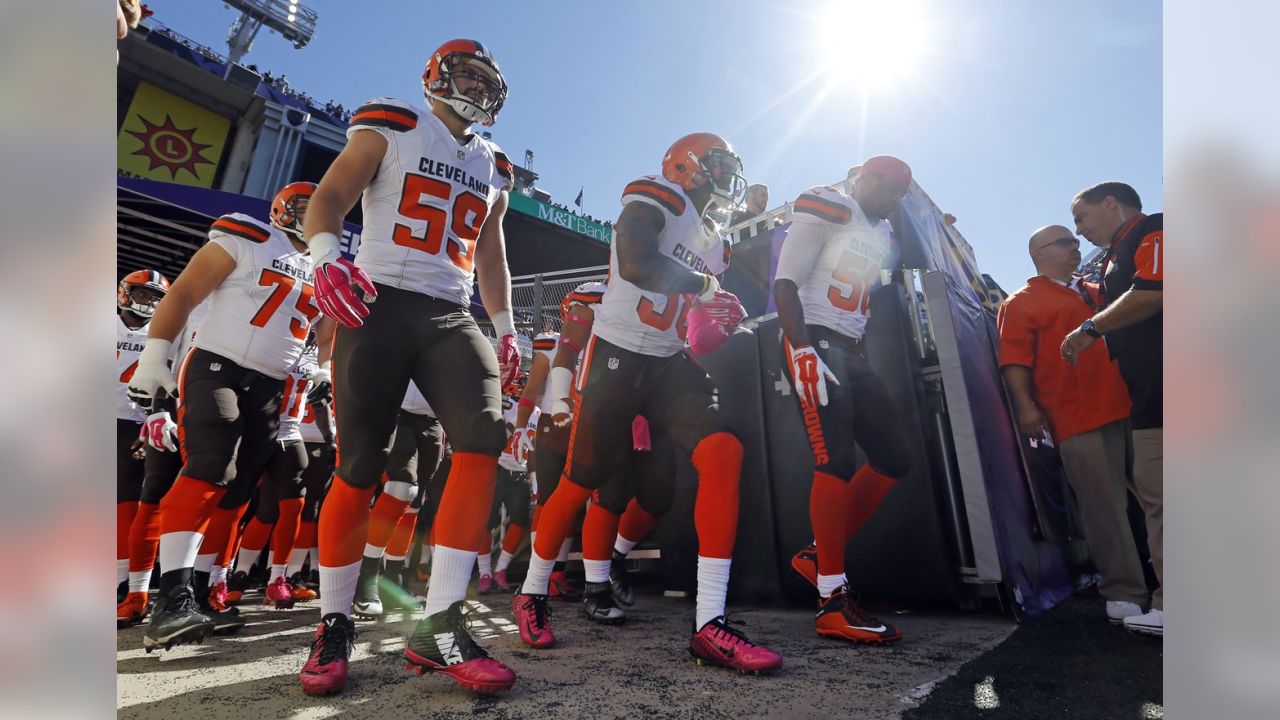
<point x="1075" y="399"/>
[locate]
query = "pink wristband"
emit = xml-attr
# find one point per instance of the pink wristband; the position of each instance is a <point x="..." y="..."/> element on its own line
<point x="575" y="319"/>
<point x="570" y="343"/>
<point x="526" y="403"/>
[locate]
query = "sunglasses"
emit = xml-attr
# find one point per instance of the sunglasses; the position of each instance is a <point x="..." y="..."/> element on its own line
<point x="1065" y="242"/>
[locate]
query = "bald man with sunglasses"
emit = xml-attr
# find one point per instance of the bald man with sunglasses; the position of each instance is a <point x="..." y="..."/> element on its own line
<point x="1082" y="407"/>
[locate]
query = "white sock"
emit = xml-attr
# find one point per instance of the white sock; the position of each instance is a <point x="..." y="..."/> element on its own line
<point x="374" y="551"/>
<point x="428" y="551"/>
<point x="296" y="560"/>
<point x="535" y="581"/>
<point x="122" y="570"/>
<point x="485" y="563"/>
<point x="278" y="569"/>
<point x="565" y="547"/>
<point x="140" y="581"/>
<point x="338" y="588"/>
<point x="394" y="558"/>
<point x="597" y="570"/>
<point x="246" y="557"/>
<point x="450" y="574"/>
<point x="504" y="561"/>
<point x="178" y="549"/>
<point x="217" y="575"/>
<point x="713" y="585"/>
<point x="828" y="584"/>
<point x="204" y="563"/>
<point x="624" y="546"/>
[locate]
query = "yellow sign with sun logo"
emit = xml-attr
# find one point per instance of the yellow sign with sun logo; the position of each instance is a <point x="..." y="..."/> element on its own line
<point x="165" y="137"/>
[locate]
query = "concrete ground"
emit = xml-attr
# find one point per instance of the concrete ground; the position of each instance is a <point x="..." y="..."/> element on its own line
<point x="641" y="668"/>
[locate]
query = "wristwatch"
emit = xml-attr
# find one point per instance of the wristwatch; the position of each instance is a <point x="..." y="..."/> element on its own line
<point x="1087" y="328"/>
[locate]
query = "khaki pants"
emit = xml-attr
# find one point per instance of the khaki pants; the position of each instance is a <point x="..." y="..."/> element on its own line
<point x="1148" y="485"/>
<point x="1095" y="465"/>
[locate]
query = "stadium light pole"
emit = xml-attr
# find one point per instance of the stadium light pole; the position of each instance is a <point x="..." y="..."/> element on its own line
<point x="294" y="21"/>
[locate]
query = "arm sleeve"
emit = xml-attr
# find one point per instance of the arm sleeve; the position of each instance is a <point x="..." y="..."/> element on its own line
<point x="1148" y="262"/>
<point x="800" y="249"/>
<point x="1017" y="339"/>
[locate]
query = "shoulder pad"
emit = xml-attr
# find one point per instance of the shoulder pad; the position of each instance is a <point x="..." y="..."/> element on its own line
<point x="242" y="226"/>
<point x="657" y="192"/>
<point x="825" y="203"/>
<point x="386" y="113"/>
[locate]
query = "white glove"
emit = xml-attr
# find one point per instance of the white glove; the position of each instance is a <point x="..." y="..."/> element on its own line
<point x="152" y="373"/>
<point x="508" y="459"/>
<point x="160" y="432"/>
<point x="809" y="376"/>
<point x="558" y="382"/>
<point x="521" y="444"/>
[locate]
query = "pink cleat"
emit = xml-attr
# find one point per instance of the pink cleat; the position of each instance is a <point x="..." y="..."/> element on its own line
<point x="485" y="586"/>
<point x="718" y="644"/>
<point x="325" y="672"/>
<point x="279" y="593"/>
<point x="533" y="616"/>
<point x="500" y="581"/>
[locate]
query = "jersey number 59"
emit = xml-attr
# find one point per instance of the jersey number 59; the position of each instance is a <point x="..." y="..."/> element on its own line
<point x="468" y="210"/>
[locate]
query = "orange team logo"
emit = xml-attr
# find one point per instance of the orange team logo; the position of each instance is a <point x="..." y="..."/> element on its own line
<point x="168" y="146"/>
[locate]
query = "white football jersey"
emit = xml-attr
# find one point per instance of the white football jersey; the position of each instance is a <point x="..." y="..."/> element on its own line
<point x="544" y="344"/>
<point x="837" y="293"/>
<point x="129" y="344"/>
<point x="308" y="429"/>
<point x="258" y="317"/>
<point x="427" y="202"/>
<point x="414" y="402"/>
<point x="653" y="323"/>
<point x="293" y="405"/>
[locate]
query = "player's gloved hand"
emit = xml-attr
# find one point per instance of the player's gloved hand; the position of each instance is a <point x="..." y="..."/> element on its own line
<point x="724" y="308"/>
<point x="561" y="413"/>
<point x="321" y="387"/>
<point x="809" y="376"/>
<point x="152" y="374"/>
<point x="326" y="453"/>
<point x="336" y="282"/>
<point x="703" y="333"/>
<point x="508" y="457"/>
<point x="521" y="444"/>
<point x="160" y="432"/>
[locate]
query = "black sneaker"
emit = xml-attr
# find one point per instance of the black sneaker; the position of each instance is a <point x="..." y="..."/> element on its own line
<point x="597" y="604"/>
<point x="368" y="602"/>
<point x="620" y="580"/>
<point x="440" y="643"/>
<point x="176" y="620"/>
<point x="122" y="591"/>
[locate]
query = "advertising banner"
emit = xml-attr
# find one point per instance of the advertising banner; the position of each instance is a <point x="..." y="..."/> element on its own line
<point x="167" y="138"/>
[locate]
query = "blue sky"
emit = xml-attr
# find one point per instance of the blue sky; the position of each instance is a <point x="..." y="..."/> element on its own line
<point x="1010" y="109"/>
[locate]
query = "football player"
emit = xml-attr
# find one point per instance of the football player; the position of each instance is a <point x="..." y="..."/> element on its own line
<point x="415" y="454"/>
<point x="136" y="299"/>
<point x="512" y="492"/>
<point x="258" y="279"/>
<point x="434" y="194"/>
<point x="665" y="256"/>
<point x="830" y="262"/>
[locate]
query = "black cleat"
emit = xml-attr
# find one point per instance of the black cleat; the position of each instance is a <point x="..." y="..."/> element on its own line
<point x="597" y="604"/>
<point x="440" y="643"/>
<point x="176" y="620"/>
<point x="620" y="580"/>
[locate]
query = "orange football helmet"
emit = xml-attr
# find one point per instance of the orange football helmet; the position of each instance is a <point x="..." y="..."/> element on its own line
<point x="129" y="297"/>
<point x="289" y="205"/>
<point x="700" y="159"/>
<point x="466" y="59"/>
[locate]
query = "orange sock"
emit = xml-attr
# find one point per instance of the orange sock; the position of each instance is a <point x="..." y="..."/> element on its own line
<point x="125" y="512"/>
<point x="344" y="524"/>
<point x="398" y="545"/>
<point x="718" y="460"/>
<point x="144" y="538"/>
<point x="467" y="499"/>
<point x="558" y="515"/>
<point x="827" y="514"/>
<point x="636" y="523"/>
<point x="286" y="532"/>
<point x="533" y="523"/>
<point x="188" y="505"/>
<point x="306" y="534"/>
<point x="515" y="533"/>
<point x="866" y="491"/>
<point x="386" y="512"/>
<point x="255" y="536"/>
<point x="222" y="533"/>
<point x="599" y="530"/>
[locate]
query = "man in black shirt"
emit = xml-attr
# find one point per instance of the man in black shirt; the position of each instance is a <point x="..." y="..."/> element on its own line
<point x="1110" y="216"/>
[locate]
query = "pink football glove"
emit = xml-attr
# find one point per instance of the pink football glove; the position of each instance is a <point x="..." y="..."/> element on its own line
<point x="508" y="360"/>
<point x="640" y="434"/>
<point x="335" y="285"/>
<point x="725" y="309"/>
<point x="704" y="334"/>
